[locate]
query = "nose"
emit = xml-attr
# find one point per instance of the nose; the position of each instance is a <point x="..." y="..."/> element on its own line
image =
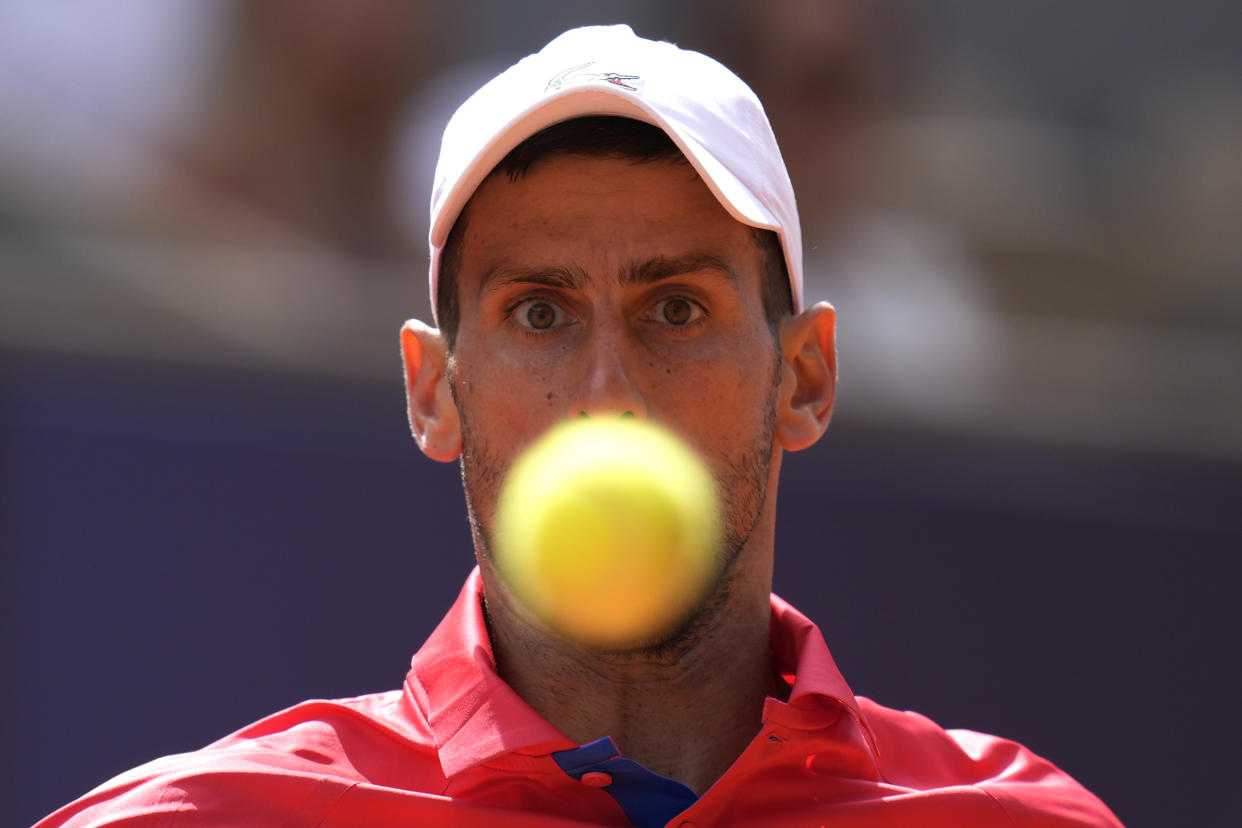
<point x="605" y="386"/>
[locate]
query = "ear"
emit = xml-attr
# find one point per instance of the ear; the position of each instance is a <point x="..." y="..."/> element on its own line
<point x="809" y="376"/>
<point x="433" y="414"/>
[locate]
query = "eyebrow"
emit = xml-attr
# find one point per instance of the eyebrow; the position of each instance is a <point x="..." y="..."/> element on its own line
<point x="504" y="274"/>
<point x="645" y="272"/>
<point x="661" y="267"/>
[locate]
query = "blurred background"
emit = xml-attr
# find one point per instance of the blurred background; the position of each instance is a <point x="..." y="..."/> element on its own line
<point x="1023" y="520"/>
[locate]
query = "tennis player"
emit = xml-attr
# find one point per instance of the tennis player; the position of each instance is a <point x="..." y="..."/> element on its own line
<point x="613" y="233"/>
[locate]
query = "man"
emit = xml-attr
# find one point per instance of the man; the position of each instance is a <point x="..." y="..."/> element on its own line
<point x="613" y="234"/>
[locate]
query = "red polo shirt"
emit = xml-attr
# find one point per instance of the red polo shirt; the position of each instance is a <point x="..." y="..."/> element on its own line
<point x="458" y="747"/>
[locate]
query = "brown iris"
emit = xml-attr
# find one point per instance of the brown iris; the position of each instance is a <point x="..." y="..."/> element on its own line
<point x="677" y="311"/>
<point x="540" y="315"/>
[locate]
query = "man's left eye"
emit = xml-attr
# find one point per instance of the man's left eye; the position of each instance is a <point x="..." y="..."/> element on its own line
<point x="677" y="311"/>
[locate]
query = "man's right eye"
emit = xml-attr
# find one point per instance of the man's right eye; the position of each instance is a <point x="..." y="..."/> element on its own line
<point x="538" y="315"/>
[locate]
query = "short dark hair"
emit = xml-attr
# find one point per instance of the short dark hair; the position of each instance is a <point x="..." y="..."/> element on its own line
<point x="602" y="136"/>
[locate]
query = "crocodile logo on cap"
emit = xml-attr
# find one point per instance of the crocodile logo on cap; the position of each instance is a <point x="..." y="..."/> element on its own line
<point x="577" y="74"/>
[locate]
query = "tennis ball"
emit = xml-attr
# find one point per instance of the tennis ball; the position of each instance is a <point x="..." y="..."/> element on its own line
<point x="608" y="531"/>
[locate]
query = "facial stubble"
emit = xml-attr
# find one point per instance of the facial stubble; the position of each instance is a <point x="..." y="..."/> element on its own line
<point x="743" y="484"/>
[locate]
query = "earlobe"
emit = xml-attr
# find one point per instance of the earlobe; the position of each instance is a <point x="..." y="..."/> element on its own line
<point x="809" y="376"/>
<point x="429" y="402"/>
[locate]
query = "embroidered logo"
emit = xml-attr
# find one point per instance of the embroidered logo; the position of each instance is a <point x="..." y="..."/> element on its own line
<point x="577" y="75"/>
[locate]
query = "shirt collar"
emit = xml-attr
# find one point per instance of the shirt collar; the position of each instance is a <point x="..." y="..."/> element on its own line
<point x="819" y="693"/>
<point x="475" y="716"/>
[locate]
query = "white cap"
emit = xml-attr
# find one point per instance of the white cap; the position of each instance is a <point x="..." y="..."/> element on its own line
<point x="711" y="115"/>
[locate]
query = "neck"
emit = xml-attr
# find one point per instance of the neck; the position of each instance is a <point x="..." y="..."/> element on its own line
<point x="685" y="711"/>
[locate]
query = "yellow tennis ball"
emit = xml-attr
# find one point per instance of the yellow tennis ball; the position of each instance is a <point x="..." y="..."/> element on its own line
<point x="608" y="531"/>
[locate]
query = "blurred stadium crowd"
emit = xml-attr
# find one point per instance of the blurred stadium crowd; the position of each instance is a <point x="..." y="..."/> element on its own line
<point x="1025" y="213"/>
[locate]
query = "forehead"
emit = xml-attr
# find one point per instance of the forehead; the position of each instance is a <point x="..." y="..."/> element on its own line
<point x="600" y="210"/>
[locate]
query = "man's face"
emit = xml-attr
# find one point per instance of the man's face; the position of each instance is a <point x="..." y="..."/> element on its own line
<point x="606" y="287"/>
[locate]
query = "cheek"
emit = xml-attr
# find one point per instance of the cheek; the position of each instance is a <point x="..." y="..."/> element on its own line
<point x="508" y="401"/>
<point x="729" y="374"/>
<point x="718" y="401"/>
